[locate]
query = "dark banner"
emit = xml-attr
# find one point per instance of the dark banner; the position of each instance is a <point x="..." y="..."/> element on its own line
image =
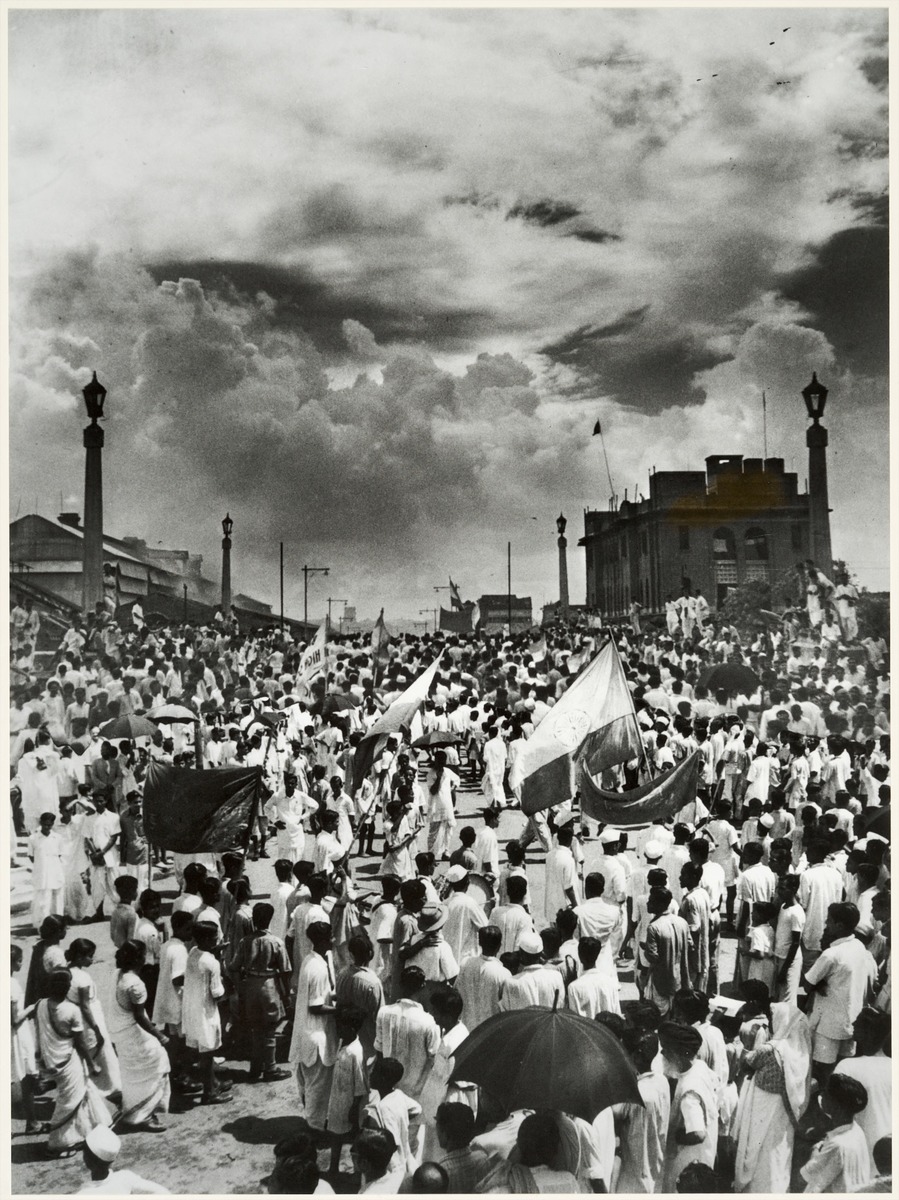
<point x="656" y="800"/>
<point x="456" y="620"/>
<point x="189" y="811"/>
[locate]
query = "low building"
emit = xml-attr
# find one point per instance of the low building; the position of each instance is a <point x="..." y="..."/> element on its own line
<point x="741" y="519"/>
<point x="495" y="612"/>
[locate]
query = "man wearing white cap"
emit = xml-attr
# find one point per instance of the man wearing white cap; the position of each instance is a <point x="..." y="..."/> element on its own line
<point x="535" y="984"/>
<point x="101" y="1149"/>
<point x="464" y="916"/>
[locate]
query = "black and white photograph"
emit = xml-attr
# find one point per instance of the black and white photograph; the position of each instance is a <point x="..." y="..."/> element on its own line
<point x="553" y="853"/>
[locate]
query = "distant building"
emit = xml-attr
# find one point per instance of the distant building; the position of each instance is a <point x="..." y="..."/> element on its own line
<point x="740" y="519"/>
<point x="46" y="559"/>
<point x="494" y="613"/>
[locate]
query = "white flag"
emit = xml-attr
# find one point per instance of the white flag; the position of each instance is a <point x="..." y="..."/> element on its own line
<point x="593" y="720"/>
<point x="315" y="658"/>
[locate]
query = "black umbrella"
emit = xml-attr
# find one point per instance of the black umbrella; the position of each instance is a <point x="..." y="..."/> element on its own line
<point x="548" y="1058"/>
<point x="729" y="677"/>
<point x="878" y="820"/>
<point x="129" y="727"/>
<point x="437" y="737"/>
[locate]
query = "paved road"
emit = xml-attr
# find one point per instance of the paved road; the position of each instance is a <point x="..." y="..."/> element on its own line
<point x="227" y="1149"/>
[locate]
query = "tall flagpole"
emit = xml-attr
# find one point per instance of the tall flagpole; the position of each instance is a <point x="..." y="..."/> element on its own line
<point x="597" y="429"/>
<point x="765" y="421"/>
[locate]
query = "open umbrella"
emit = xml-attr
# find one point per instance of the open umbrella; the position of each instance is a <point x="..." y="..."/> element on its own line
<point x="548" y="1058"/>
<point x="171" y="714"/>
<point x="729" y="677"/>
<point x="877" y="820"/>
<point x="430" y="741"/>
<point x="129" y="727"/>
<point x="335" y="702"/>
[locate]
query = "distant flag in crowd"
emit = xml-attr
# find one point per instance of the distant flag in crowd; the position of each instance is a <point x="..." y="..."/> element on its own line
<point x="315" y="657"/>
<point x="380" y="640"/>
<point x="593" y="720"/>
<point x="537" y="650"/>
<point x="455" y="598"/>
<point x="475" y="615"/>
<point x="399" y="715"/>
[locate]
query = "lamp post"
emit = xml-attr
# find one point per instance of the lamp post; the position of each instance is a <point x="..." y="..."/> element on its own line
<point x="92" y="566"/>
<point x="227" y="526"/>
<point x="307" y="571"/>
<point x="561" y="524"/>
<point x="815" y="397"/>
<point x="432" y="612"/>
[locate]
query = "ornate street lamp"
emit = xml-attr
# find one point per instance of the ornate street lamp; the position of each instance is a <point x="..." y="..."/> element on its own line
<point x="815" y="397"/>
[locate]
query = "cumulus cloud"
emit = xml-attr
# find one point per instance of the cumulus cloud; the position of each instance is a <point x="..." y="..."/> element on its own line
<point x="375" y="306"/>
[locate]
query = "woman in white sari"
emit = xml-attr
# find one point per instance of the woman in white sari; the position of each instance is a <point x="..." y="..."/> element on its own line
<point x="143" y="1062"/>
<point x="772" y="1100"/>
<point x="83" y="992"/>
<point x="66" y="1056"/>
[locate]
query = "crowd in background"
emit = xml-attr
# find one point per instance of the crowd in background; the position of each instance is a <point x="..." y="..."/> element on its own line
<point x="774" y="1079"/>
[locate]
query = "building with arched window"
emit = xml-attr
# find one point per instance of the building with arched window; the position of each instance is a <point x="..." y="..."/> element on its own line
<point x="741" y="519"/>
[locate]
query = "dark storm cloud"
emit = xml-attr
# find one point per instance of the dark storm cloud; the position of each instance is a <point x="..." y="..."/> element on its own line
<point x="846" y="293"/>
<point x="302" y="302"/>
<point x="543" y="212"/>
<point x="877" y="71"/>
<point x="638" y="363"/>
<point x="596" y="236"/>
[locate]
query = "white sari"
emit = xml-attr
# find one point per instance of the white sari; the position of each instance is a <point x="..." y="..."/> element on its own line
<point x="765" y="1123"/>
<point x="79" y="1106"/>
<point x="143" y="1062"/>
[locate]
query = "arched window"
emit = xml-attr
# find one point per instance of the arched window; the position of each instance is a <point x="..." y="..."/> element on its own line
<point x="724" y="546"/>
<point x="756" y="545"/>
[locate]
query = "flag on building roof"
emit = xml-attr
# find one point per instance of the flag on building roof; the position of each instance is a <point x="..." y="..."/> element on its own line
<point x="593" y="721"/>
<point x="455" y="598"/>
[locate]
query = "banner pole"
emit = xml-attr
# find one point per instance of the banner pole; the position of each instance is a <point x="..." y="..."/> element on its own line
<point x="253" y="815"/>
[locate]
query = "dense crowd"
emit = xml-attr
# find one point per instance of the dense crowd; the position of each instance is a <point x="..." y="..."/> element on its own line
<point x="776" y="1079"/>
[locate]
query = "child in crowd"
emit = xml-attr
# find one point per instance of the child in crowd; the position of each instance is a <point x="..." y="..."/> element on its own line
<point x="349" y="1087"/>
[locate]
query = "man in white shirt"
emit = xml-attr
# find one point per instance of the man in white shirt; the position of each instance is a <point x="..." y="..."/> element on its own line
<point x="842" y="979"/>
<point x="482" y="979"/>
<point x="563" y="888"/>
<point x="513" y="919"/>
<point x="45" y="849"/>
<point x="535" y="984"/>
<point x="406" y="1032"/>
<point x="314" y="1044"/>
<point x="819" y="886"/>
<point x="596" y="988"/>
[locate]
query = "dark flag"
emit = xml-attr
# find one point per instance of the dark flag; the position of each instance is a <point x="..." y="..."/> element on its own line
<point x="657" y="800"/>
<point x="190" y="811"/>
<point x="596" y="429"/>
<point x="380" y="643"/>
<point x="455" y="598"/>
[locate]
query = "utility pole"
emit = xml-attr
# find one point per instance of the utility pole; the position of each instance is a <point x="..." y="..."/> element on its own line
<point x="431" y="612"/>
<point x="282" y="589"/>
<point x="333" y="600"/>
<point x="509" y="583"/>
<point x="307" y="571"/>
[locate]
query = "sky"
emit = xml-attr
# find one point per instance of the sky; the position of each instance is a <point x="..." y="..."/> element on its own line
<point x="366" y="279"/>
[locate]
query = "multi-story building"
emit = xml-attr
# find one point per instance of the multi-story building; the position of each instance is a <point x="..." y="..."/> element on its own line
<point x="740" y="519"/>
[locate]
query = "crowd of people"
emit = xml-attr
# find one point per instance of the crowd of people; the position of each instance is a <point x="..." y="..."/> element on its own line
<point x="776" y="1078"/>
